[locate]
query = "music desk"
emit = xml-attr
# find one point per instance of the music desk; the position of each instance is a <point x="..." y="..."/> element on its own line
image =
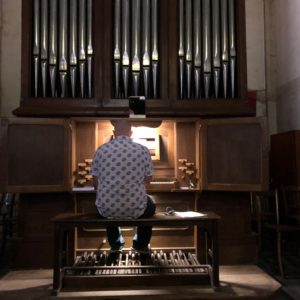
<point x="206" y="238"/>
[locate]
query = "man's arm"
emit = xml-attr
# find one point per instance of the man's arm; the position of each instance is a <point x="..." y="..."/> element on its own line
<point x="95" y="182"/>
<point x="147" y="179"/>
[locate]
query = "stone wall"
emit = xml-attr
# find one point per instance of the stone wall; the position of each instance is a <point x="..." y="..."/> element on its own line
<point x="285" y="30"/>
<point x="10" y="55"/>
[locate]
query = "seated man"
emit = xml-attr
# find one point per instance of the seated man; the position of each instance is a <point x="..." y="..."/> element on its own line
<point x="120" y="170"/>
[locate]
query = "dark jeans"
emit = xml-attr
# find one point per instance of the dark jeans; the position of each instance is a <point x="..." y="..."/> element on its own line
<point x="143" y="233"/>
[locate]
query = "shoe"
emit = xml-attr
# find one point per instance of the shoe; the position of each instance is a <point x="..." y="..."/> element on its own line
<point x="142" y="250"/>
<point x="116" y="249"/>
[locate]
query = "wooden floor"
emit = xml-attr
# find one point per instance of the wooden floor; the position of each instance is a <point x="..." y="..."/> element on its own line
<point x="245" y="282"/>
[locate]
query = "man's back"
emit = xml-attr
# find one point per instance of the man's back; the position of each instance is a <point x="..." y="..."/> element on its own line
<point x="121" y="167"/>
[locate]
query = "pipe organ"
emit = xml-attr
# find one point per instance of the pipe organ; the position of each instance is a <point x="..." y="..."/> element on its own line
<point x="81" y="61"/>
<point x="135" y="49"/>
<point x="63" y="48"/>
<point x="207" y="49"/>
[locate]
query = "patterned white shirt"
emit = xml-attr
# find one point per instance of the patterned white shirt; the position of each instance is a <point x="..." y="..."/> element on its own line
<point x="121" y="166"/>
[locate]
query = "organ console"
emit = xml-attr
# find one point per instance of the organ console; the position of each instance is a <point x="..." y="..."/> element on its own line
<point x="227" y="164"/>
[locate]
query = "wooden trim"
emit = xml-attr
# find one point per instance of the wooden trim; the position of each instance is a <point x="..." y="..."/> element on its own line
<point x="199" y="108"/>
<point x="35" y="121"/>
<point x="67" y="183"/>
<point x="3" y="154"/>
<point x="204" y="169"/>
<point x="234" y="187"/>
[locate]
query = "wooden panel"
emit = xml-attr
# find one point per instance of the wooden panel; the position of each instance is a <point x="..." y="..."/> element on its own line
<point x="32" y="253"/>
<point x="85" y="140"/>
<point x="3" y="154"/>
<point x="235" y="154"/>
<point x="32" y="162"/>
<point x="104" y="132"/>
<point x="237" y="242"/>
<point x="185" y="146"/>
<point x="84" y="145"/>
<point x="37" y="210"/>
<point x="34" y="246"/>
<point x="38" y="155"/>
<point x="228" y="144"/>
<point x="285" y="158"/>
<point x="164" y="168"/>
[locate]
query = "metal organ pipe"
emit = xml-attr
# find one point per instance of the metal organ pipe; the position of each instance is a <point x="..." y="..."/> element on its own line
<point x="135" y="48"/>
<point x="206" y="45"/>
<point x="73" y="45"/>
<point x="216" y="45"/>
<point x="125" y="45"/>
<point x="181" y="48"/>
<point x="197" y="47"/>
<point x="224" y="43"/>
<point x="117" y="45"/>
<point x="36" y="44"/>
<point x="232" y="45"/>
<point x="62" y="39"/>
<point x="90" y="50"/>
<point x="53" y="46"/>
<point x="135" y="45"/>
<point x="154" y="44"/>
<point x="188" y="46"/>
<point x="44" y="43"/>
<point x="63" y="42"/>
<point x="146" y="44"/>
<point x="207" y="26"/>
<point x="82" y="45"/>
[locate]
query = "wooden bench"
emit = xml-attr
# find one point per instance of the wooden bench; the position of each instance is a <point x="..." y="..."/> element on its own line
<point x="206" y="239"/>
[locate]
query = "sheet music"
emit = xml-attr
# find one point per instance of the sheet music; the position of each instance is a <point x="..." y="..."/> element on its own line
<point x="83" y="189"/>
<point x="189" y="214"/>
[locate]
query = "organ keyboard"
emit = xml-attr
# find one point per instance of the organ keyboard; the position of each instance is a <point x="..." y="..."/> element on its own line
<point x="162" y="185"/>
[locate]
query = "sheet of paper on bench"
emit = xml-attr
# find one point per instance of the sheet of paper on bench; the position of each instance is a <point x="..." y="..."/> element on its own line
<point x="189" y="214"/>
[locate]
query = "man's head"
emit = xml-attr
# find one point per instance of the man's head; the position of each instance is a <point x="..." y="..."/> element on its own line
<point x="122" y="127"/>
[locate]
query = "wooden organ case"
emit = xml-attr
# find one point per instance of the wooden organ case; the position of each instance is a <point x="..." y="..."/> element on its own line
<point x="42" y="157"/>
<point x="77" y="75"/>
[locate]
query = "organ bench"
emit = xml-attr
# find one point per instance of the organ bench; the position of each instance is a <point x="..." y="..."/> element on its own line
<point x="157" y="268"/>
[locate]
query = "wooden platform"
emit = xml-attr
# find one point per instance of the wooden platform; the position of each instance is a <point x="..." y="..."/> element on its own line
<point x="236" y="282"/>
